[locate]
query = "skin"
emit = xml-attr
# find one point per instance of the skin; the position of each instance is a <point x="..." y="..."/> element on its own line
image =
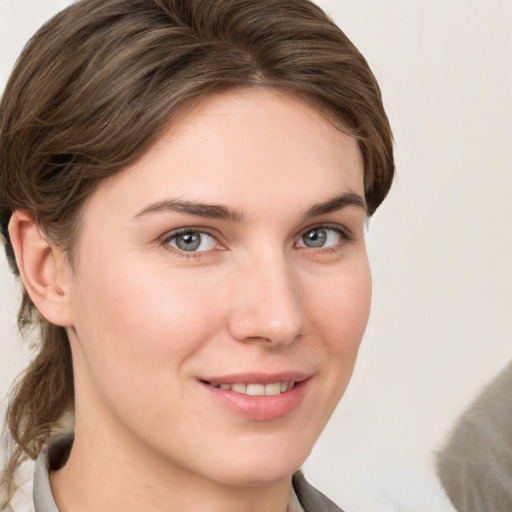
<point x="147" y="320"/>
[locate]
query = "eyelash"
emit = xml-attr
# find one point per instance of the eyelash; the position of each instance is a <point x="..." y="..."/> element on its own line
<point x="344" y="234"/>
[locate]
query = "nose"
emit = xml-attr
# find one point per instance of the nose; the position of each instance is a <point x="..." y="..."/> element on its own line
<point x="266" y="306"/>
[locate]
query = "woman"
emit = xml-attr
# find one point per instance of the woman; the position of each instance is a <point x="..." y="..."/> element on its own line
<point x="184" y="188"/>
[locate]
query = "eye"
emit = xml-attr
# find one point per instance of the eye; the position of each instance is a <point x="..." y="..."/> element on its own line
<point x="320" y="237"/>
<point x="191" y="241"/>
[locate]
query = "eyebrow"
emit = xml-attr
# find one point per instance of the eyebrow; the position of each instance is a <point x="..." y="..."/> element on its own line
<point x="218" y="211"/>
<point x="212" y="211"/>
<point x="337" y="203"/>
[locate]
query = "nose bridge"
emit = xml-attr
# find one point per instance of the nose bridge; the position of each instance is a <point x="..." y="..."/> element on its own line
<point x="268" y="305"/>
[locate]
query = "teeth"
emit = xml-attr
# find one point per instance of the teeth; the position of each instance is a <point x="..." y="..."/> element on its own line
<point x="239" y="388"/>
<point x="257" y="389"/>
<point x="273" y="389"/>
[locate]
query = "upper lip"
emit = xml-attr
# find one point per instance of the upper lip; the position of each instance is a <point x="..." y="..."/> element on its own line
<point x="258" y="378"/>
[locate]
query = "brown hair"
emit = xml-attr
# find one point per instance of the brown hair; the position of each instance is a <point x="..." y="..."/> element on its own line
<point x="98" y="84"/>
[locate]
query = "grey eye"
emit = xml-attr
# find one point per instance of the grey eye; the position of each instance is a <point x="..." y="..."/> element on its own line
<point x="315" y="238"/>
<point x="192" y="241"/>
<point x="320" y="237"/>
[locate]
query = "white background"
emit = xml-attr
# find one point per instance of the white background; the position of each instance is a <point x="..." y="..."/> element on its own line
<point x="441" y="246"/>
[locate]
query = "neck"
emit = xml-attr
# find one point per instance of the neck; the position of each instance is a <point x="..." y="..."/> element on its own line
<point x="107" y="474"/>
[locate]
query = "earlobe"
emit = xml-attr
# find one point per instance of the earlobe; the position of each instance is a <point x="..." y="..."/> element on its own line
<point x="43" y="268"/>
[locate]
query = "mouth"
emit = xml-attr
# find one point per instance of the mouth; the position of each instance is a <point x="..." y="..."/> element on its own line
<point x="259" y="397"/>
<point x="255" y="388"/>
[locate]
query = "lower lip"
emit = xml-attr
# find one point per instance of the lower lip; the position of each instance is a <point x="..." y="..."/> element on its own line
<point x="260" y="408"/>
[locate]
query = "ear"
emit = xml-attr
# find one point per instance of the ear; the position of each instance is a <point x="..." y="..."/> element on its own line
<point x="44" y="269"/>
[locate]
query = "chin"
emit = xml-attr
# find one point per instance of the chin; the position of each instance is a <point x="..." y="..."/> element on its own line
<point x="249" y="476"/>
<point x="259" y="469"/>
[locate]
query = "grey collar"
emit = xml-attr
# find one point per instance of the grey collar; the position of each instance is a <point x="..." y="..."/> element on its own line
<point x="43" y="497"/>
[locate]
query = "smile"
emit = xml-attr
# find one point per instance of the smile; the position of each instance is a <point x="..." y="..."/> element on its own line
<point x="256" y="389"/>
<point x="259" y="397"/>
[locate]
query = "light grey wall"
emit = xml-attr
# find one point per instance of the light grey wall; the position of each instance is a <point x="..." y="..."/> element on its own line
<point x="441" y="246"/>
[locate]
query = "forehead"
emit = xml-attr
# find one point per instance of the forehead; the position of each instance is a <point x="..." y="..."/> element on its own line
<point x="242" y="146"/>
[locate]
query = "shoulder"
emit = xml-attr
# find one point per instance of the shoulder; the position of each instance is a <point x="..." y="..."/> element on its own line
<point x="311" y="499"/>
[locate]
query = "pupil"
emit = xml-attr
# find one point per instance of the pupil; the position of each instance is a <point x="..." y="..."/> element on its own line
<point x="189" y="241"/>
<point x="315" y="238"/>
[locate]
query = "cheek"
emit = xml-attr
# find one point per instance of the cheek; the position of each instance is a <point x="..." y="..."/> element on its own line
<point x="341" y="308"/>
<point x="340" y="315"/>
<point x="138" y="323"/>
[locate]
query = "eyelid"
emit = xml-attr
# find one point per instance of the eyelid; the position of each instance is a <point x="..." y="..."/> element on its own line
<point x="189" y="229"/>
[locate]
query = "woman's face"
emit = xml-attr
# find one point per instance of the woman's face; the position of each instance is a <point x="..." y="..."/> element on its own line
<point x="221" y="290"/>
